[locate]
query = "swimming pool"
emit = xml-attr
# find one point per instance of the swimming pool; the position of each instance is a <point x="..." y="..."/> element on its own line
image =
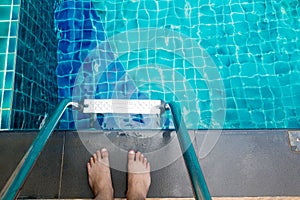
<point x="254" y="47"/>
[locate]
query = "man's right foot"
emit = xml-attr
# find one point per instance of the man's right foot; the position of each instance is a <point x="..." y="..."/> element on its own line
<point x="139" y="179"/>
<point x="99" y="175"/>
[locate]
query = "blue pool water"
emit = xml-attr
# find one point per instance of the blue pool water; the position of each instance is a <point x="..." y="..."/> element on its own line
<point x="249" y="69"/>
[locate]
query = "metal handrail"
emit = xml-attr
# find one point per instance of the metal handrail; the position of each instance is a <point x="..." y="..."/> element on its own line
<point x="200" y="188"/>
<point x="13" y="186"/>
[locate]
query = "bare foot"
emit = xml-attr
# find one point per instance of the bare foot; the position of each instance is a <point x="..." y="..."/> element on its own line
<point x="139" y="179"/>
<point x="99" y="175"/>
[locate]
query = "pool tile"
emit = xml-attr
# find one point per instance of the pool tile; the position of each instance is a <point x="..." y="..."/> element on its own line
<point x="9" y="80"/>
<point x="4" y="29"/>
<point x="2" y="62"/>
<point x="13" y="28"/>
<point x="3" y="43"/>
<point x="17" y="2"/>
<point x="6" y="2"/>
<point x="10" y="61"/>
<point x="7" y="99"/>
<point x="5" y="12"/>
<point x="36" y="19"/>
<point x="5" y="116"/>
<point x="15" y="13"/>
<point x="1" y="79"/>
<point x="12" y="45"/>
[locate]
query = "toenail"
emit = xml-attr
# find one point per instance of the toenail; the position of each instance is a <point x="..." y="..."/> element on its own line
<point x="103" y="150"/>
<point x="131" y="152"/>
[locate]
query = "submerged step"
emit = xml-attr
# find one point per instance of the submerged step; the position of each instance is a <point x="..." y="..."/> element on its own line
<point x="123" y="106"/>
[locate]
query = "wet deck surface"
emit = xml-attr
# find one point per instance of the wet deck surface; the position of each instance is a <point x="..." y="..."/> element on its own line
<point x="243" y="163"/>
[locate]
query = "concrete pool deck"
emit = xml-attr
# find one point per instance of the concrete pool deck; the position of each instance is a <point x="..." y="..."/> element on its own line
<point x="244" y="163"/>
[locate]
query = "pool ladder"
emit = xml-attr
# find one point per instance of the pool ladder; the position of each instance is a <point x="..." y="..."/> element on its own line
<point x="13" y="186"/>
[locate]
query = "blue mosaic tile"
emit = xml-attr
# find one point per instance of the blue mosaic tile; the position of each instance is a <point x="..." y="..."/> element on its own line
<point x="15" y="13"/>
<point x="12" y="45"/>
<point x="4" y="29"/>
<point x="10" y="61"/>
<point x="5" y="116"/>
<point x="16" y="2"/>
<point x="33" y="61"/>
<point x="6" y="2"/>
<point x="2" y="62"/>
<point x="1" y="82"/>
<point x="3" y="44"/>
<point x="5" y="12"/>
<point x="9" y="81"/>
<point x="7" y="99"/>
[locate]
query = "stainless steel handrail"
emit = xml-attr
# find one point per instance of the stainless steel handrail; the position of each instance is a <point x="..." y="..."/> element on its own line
<point x="17" y="179"/>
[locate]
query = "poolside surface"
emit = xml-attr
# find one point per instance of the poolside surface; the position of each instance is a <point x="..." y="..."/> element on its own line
<point x="245" y="163"/>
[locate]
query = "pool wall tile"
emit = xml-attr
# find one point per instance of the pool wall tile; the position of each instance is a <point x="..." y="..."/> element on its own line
<point x="8" y="27"/>
<point x="5" y="119"/>
<point x="4" y="27"/>
<point x="34" y="93"/>
<point x="35" y="85"/>
<point x="5" y="11"/>
<point x="10" y="61"/>
<point x="3" y="45"/>
<point x="2" y="62"/>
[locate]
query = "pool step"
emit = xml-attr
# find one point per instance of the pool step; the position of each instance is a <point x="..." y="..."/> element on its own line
<point x="123" y="106"/>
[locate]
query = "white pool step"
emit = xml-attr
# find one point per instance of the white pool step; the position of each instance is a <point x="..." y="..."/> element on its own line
<point x="123" y="106"/>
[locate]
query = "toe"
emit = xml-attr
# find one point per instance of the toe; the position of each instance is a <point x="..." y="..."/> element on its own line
<point x="88" y="165"/>
<point x="92" y="161"/>
<point x="104" y="153"/>
<point x="145" y="161"/>
<point x="142" y="157"/>
<point x="131" y="155"/>
<point x="138" y="156"/>
<point x="148" y="166"/>
<point x="95" y="157"/>
<point x="98" y="154"/>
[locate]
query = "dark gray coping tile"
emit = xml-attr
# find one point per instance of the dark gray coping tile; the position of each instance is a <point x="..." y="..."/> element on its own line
<point x="171" y="180"/>
<point x="44" y="178"/>
<point x="242" y="163"/>
<point x="251" y="163"/>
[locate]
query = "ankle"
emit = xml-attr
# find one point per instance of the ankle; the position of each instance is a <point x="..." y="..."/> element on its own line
<point x="134" y="196"/>
<point x="105" y="196"/>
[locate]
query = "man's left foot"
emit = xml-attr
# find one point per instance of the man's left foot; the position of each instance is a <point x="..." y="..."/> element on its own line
<point x="139" y="179"/>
